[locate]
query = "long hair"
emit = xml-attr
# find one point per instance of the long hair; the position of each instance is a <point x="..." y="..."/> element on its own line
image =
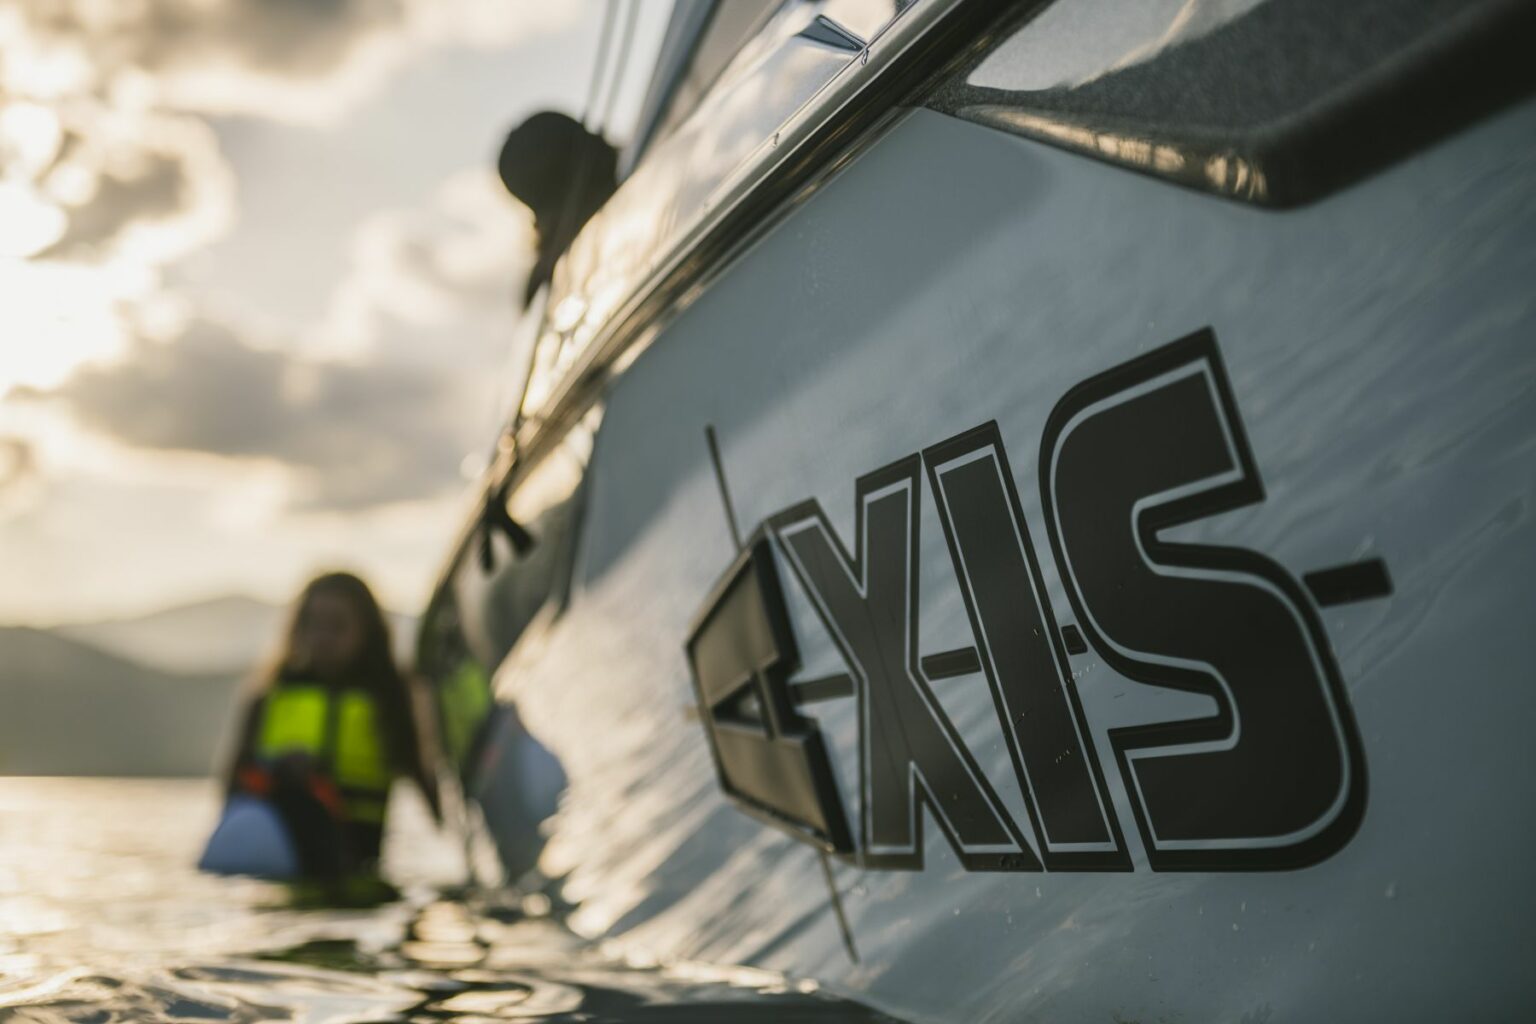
<point x="373" y="669"/>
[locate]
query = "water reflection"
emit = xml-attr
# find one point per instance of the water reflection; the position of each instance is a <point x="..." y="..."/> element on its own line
<point x="103" y="919"/>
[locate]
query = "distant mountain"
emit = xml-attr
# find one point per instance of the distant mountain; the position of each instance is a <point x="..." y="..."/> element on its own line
<point x="69" y="709"/>
<point x="219" y="636"/>
<point x="222" y="635"/>
<point x="147" y="695"/>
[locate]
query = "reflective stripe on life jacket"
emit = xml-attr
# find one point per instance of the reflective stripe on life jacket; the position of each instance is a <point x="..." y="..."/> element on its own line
<point x="349" y="748"/>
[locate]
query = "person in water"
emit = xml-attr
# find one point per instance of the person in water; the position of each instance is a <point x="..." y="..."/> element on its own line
<point x="332" y="723"/>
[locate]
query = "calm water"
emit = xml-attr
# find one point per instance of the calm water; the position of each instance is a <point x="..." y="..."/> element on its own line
<point x="104" y="919"/>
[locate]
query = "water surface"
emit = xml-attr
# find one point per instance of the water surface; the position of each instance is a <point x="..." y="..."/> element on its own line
<point x="103" y="918"/>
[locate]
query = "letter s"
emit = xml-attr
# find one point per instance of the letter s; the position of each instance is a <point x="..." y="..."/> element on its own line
<point x="1276" y="778"/>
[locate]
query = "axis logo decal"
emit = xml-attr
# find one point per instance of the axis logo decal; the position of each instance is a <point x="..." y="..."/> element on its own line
<point x="1274" y="779"/>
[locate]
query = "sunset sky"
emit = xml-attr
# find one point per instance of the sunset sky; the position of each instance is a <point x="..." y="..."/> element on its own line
<point x="256" y="285"/>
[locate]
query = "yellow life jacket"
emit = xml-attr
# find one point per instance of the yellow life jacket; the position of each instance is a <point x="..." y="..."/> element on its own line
<point x="341" y="730"/>
<point x="464" y="701"/>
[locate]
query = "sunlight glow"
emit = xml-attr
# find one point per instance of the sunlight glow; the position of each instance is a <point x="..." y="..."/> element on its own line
<point x="148" y="190"/>
<point x="59" y="316"/>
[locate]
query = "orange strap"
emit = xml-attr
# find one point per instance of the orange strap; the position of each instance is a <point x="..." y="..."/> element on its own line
<point x="257" y="781"/>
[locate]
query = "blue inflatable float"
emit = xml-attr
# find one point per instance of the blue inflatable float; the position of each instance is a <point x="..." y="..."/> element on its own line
<point x="251" y="839"/>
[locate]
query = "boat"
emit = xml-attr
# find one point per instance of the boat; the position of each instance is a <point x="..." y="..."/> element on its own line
<point x="1023" y="511"/>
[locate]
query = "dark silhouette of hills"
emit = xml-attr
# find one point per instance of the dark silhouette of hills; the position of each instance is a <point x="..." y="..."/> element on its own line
<point x="70" y="709"/>
<point x="223" y="635"/>
<point x="148" y="694"/>
<point x="228" y="634"/>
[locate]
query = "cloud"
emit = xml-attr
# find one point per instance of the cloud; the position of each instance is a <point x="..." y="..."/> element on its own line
<point x="215" y="432"/>
<point x="471" y="243"/>
<point x="298" y="60"/>
<point x="434" y="286"/>
<point x="353" y="434"/>
<point x="19" y="476"/>
<point x="17" y="463"/>
<point x="459" y="257"/>
<point x="150" y="191"/>
<point x="148" y="186"/>
<point x="103" y="137"/>
<point x="378" y="404"/>
<point x="92" y="182"/>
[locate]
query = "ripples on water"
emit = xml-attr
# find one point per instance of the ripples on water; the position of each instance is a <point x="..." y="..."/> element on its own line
<point x="103" y="919"/>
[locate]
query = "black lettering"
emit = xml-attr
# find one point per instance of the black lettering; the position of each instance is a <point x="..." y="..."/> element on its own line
<point x="1276" y="778"/>
<point x="1021" y="654"/>
<point x="911" y="755"/>
<point x="770" y="759"/>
